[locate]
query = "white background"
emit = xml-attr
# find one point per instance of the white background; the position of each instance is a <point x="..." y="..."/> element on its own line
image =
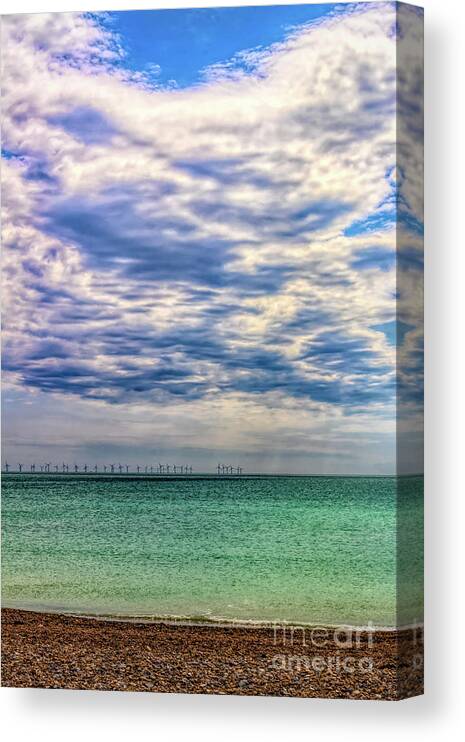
<point x="86" y="716"/>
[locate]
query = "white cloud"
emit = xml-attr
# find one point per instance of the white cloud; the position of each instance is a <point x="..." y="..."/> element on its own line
<point x="193" y="243"/>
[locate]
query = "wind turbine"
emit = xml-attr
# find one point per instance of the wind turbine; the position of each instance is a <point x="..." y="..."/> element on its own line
<point x="7" y="466"/>
<point x="33" y="467"/>
<point x="127" y="468"/>
<point x="120" y="468"/>
<point x="20" y="467"/>
<point x="95" y="468"/>
<point x="112" y="468"/>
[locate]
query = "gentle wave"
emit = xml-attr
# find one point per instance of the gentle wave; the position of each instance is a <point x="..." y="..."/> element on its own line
<point x="219" y="621"/>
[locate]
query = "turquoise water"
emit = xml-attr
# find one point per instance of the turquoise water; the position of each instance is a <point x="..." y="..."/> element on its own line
<point x="300" y="549"/>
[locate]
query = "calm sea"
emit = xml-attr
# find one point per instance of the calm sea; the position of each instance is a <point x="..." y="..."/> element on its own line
<point x="301" y="549"/>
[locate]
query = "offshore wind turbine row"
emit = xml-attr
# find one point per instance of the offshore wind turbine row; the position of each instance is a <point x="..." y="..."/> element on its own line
<point x="49" y="468"/>
<point x="223" y="469"/>
<point x="64" y="468"/>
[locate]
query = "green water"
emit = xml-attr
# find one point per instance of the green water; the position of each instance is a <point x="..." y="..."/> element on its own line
<point x="300" y="549"/>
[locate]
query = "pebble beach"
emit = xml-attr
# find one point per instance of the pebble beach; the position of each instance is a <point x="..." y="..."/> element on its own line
<point x="45" y="650"/>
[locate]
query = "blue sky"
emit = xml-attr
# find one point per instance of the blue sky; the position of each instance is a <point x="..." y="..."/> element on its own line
<point x="184" y="43"/>
<point x="210" y="249"/>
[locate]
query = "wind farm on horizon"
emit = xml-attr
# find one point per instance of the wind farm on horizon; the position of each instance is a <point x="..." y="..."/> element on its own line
<point x="118" y="469"/>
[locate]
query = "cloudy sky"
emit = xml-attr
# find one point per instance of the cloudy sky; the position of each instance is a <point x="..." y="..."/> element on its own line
<point x="200" y="217"/>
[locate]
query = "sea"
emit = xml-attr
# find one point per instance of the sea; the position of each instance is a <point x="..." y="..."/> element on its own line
<point x="306" y="550"/>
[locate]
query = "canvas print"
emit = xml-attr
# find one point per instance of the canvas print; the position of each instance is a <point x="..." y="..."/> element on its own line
<point x="212" y="451"/>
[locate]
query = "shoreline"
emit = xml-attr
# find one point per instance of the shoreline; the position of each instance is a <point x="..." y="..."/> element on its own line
<point x="214" y="621"/>
<point x="58" y="650"/>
